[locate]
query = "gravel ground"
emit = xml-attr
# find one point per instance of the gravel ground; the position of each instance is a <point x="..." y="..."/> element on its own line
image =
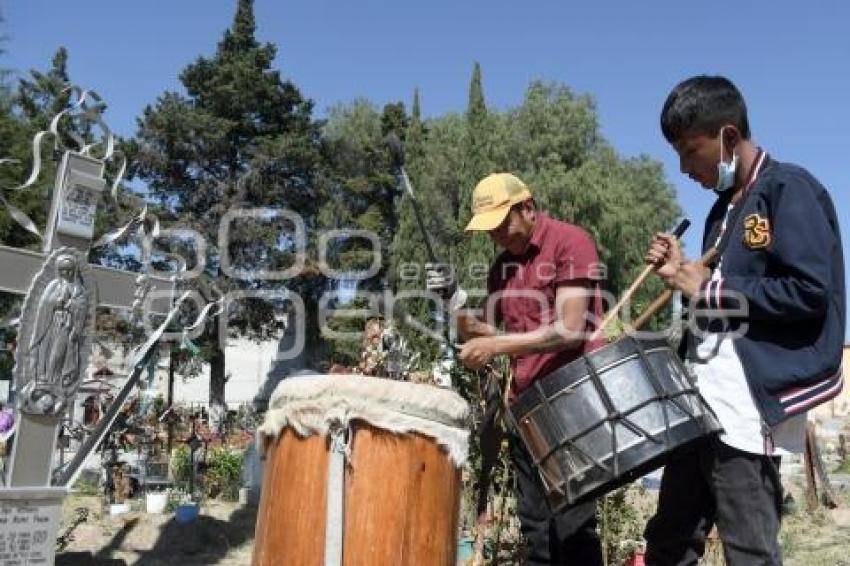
<point x="222" y="534"/>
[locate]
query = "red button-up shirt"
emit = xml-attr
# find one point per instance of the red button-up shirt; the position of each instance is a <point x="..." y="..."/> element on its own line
<point x="522" y="291"/>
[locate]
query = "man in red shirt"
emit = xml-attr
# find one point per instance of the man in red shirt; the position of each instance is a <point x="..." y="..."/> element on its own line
<point x="543" y="292"/>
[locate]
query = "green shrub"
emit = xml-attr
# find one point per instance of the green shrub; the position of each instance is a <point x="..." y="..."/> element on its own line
<point x="224" y="473"/>
<point x="181" y="465"/>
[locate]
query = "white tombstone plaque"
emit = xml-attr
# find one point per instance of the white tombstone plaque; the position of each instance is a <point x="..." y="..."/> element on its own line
<point x="29" y="522"/>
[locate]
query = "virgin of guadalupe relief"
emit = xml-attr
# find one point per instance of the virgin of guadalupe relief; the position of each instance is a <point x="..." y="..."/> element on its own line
<point x="57" y="323"/>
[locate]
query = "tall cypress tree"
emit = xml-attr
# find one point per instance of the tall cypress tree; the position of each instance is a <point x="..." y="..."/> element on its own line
<point x="416" y="129"/>
<point x="477" y="250"/>
<point x="476" y="158"/>
<point x="240" y="137"/>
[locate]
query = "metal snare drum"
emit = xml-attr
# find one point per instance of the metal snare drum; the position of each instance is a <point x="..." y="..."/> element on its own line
<point x="609" y="417"/>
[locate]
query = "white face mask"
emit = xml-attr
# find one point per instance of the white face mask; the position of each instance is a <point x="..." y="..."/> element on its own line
<point x="725" y="171"/>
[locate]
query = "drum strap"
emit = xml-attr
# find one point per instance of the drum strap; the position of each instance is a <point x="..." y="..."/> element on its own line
<point x="335" y="516"/>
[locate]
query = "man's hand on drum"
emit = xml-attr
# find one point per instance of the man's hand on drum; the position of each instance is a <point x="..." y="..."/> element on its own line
<point x="477" y="352"/>
<point x="676" y="271"/>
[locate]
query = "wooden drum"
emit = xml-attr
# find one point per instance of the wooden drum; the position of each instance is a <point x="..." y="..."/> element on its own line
<point x="360" y="471"/>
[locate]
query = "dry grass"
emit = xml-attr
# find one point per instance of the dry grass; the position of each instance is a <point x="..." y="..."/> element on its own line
<point x="819" y="538"/>
<point x="807" y="539"/>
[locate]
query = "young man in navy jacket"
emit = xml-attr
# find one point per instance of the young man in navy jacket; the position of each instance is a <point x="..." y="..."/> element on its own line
<point x="765" y="332"/>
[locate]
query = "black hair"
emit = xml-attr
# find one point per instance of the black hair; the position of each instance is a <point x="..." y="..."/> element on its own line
<point x="703" y="104"/>
<point x="518" y="206"/>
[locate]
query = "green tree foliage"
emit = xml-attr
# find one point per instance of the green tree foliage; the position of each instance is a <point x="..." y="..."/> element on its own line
<point x="41" y="96"/>
<point x="26" y="111"/>
<point x="409" y="252"/>
<point x="360" y="183"/>
<point x="576" y="176"/>
<point x="14" y="146"/>
<point x="240" y="137"/>
<point x="362" y="195"/>
<point x="425" y="163"/>
<point x="435" y="157"/>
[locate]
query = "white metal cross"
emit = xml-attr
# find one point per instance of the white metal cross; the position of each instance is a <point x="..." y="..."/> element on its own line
<point x="79" y="182"/>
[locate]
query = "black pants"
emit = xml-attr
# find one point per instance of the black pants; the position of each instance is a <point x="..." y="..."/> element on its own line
<point x="567" y="538"/>
<point x="714" y="483"/>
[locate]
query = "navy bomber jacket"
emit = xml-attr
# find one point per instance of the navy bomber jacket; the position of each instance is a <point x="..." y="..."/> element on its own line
<point x="782" y="286"/>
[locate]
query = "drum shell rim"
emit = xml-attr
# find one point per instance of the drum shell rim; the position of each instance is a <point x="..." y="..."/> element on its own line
<point x="568" y="375"/>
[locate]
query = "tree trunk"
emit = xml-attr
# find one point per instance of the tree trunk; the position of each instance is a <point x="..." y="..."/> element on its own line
<point x="217" y="376"/>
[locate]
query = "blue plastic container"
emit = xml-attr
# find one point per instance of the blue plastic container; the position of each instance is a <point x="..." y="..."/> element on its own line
<point x="186" y="512"/>
<point x="465" y="548"/>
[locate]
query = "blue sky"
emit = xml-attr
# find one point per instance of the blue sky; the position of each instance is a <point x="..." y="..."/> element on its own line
<point x="790" y="59"/>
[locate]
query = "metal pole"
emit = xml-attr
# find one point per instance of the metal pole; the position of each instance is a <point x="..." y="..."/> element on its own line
<point x="397" y="152"/>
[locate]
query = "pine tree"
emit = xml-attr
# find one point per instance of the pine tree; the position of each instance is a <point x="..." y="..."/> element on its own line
<point x="241" y="137"/>
<point x="12" y="146"/>
<point x="435" y="166"/>
<point x="475" y="155"/>
<point x="41" y="97"/>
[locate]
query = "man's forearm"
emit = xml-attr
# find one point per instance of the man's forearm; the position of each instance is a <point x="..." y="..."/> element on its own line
<point x="546" y="339"/>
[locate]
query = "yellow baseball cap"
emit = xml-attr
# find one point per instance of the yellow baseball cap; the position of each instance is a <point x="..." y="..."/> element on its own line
<point x="493" y="197"/>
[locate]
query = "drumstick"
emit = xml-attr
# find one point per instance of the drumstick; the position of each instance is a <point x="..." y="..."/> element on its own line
<point x="665" y="296"/>
<point x="612" y="314"/>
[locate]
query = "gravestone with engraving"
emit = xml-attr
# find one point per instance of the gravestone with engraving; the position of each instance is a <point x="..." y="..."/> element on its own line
<point x="29" y="521"/>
